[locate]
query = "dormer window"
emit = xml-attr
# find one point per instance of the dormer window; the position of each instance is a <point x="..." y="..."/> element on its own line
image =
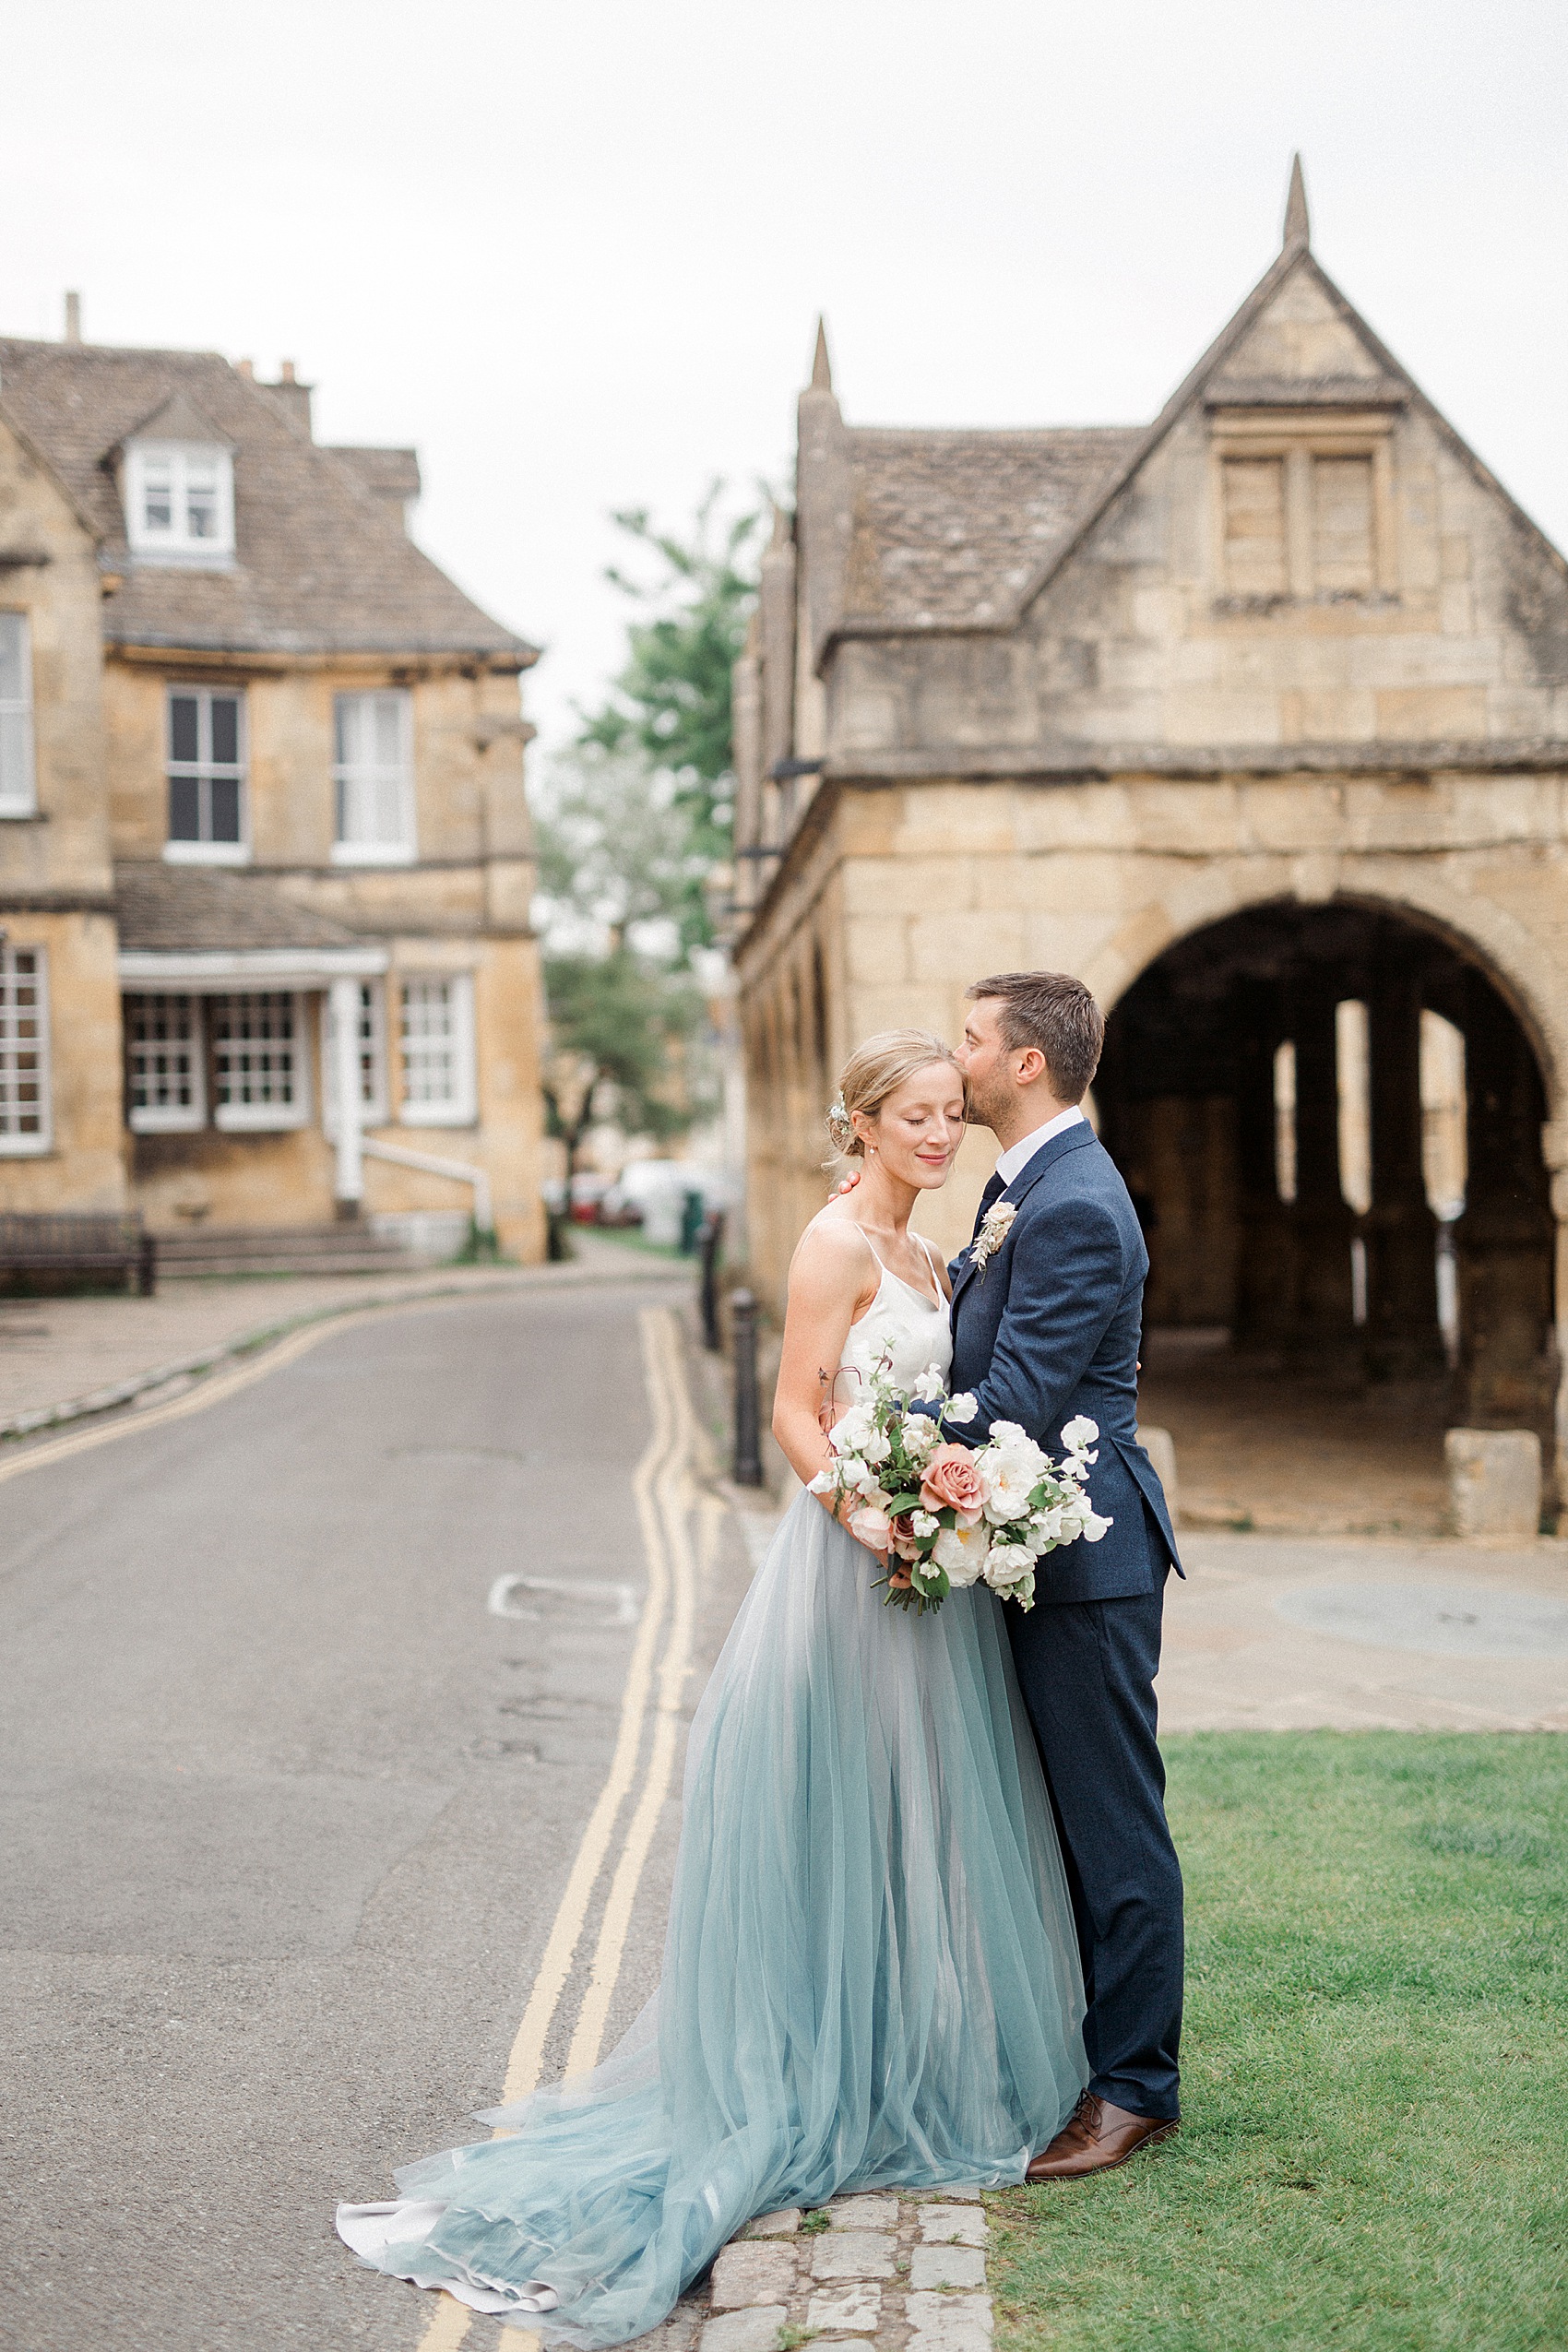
<point x="179" y="501"/>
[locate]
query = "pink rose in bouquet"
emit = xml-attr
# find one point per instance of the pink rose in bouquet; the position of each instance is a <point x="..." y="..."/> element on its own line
<point x="950" y="1482"/>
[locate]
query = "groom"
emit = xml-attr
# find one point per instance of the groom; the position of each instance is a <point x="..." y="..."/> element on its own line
<point x="1045" y="1326"/>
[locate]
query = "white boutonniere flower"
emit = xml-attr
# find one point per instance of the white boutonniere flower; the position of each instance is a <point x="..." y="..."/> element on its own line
<point x="997" y="1225"/>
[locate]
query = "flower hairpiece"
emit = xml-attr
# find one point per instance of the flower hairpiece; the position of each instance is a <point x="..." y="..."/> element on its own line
<point x="840" y="1126"/>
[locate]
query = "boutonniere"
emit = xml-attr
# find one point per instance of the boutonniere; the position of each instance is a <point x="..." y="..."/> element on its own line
<point x="997" y="1225"/>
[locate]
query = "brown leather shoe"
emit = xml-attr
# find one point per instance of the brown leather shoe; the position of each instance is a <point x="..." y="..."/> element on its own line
<point x="1096" y="2137"/>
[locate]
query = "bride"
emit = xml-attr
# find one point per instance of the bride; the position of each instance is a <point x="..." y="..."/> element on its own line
<point x="870" y="1975"/>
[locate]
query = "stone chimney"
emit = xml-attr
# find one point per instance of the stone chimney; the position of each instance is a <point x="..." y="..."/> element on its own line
<point x="292" y="398"/>
<point x="73" y="319"/>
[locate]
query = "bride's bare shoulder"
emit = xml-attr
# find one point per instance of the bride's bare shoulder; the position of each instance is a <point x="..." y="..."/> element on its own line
<point x="831" y="1255"/>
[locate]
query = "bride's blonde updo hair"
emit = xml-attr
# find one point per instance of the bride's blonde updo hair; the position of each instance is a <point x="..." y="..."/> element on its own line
<point x="875" y="1070"/>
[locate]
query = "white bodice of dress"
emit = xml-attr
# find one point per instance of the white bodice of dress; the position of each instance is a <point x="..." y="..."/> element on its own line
<point x="909" y="1327"/>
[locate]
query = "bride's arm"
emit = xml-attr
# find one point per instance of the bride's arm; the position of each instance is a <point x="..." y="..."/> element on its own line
<point x="829" y="1284"/>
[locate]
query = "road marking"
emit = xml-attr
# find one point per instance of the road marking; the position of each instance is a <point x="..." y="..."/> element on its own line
<point x="664" y="1378"/>
<point x="504" y="1590"/>
<point x="527" y="2051"/>
<point x="675" y="1498"/>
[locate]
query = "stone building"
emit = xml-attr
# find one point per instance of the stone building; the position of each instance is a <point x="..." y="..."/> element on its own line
<point x="1256" y="717"/>
<point x="264" y="847"/>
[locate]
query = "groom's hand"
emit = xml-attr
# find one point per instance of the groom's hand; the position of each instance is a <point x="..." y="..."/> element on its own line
<point x="848" y="1184"/>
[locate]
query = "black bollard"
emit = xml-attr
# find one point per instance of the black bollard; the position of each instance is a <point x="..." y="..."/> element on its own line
<point x="742" y="1329"/>
<point x="712" y="1241"/>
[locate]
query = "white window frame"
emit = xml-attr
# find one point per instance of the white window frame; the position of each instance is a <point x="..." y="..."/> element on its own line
<point x="18" y="778"/>
<point x="204" y="769"/>
<point x="372" y="1060"/>
<point x="460" y="1108"/>
<point x="359" y="785"/>
<point x="14" y="1143"/>
<point x="263" y="1117"/>
<point x="189" y="1051"/>
<point x="175" y="543"/>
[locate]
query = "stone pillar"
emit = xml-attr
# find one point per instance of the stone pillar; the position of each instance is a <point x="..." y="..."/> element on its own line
<point x="1402" y="1335"/>
<point x="1505" y="1242"/>
<point x="349" y="1185"/>
<point x="1267" y="1268"/>
<point x="1325" y="1223"/>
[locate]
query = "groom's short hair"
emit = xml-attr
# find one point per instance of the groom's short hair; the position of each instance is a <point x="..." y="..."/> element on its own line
<point x="1056" y="1015"/>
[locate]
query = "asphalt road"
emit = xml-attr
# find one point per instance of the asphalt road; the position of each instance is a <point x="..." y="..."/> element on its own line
<point x="288" y="1810"/>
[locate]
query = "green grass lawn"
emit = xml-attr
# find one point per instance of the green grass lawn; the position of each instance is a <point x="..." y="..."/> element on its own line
<point x="1374" y="2149"/>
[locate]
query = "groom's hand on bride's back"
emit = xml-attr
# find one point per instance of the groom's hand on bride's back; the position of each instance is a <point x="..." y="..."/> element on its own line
<point x="851" y="1180"/>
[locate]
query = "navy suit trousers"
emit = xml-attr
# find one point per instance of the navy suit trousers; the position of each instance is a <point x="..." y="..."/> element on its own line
<point x="1086" y="1668"/>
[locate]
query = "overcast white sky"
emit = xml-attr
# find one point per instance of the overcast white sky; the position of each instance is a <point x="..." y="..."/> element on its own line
<point x="576" y="253"/>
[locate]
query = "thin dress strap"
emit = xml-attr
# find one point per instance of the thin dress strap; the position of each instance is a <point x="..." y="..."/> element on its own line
<point x="936" y="1275"/>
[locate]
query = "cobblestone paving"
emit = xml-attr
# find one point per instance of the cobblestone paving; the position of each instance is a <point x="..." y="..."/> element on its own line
<point x="900" y="2272"/>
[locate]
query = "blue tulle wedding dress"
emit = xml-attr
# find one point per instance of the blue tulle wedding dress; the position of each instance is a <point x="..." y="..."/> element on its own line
<point x="870" y="1975"/>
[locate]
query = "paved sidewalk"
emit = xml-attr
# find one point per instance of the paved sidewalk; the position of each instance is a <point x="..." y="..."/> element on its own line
<point x="1288" y="1633"/>
<point x="63" y="1359"/>
<point x="901" y="2272"/>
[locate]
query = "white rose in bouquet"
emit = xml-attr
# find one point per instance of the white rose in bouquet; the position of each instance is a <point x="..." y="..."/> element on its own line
<point x="962" y="1552"/>
<point x="854" y="1431"/>
<point x="1008" y="1564"/>
<point x="922" y="1436"/>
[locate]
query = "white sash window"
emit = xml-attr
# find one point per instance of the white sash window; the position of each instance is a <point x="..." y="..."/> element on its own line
<point x="438" y="1051"/>
<point x="207" y="777"/>
<point x="166" y="1062"/>
<point x="179" y="501"/>
<point x="260" y="1068"/>
<point x="18" y="792"/>
<point x="24" y="1051"/>
<point x="372" y="778"/>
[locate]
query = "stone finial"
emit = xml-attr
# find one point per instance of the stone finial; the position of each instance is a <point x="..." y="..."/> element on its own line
<point x="822" y="367"/>
<point x="73" y="319"/>
<point x="1297" y="227"/>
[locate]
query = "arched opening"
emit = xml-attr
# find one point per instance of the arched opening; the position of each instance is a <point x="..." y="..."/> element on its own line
<point x="1330" y="1120"/>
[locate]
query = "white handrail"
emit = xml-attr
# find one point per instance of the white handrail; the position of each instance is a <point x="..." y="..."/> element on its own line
<point x="462" y="1171"/>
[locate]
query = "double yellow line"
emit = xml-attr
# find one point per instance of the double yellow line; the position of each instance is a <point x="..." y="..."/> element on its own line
<point x="667" y="1499"/>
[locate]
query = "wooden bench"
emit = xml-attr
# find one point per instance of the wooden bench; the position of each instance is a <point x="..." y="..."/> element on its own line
<point x="78" y="1245"/>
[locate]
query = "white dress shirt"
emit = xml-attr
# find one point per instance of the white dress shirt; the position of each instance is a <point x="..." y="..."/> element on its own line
<point x="1016" y="1157"/>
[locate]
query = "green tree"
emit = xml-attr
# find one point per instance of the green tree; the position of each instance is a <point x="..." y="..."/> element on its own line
<point x="620" y="1017"/>
<point x="614" y="866"/>
<point x="672" y="698"/>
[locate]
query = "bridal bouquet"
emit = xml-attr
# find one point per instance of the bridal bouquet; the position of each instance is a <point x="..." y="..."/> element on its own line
<point x="948" y="1516"/>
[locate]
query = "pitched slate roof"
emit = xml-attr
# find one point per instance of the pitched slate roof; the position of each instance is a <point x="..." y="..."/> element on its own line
<point x="949" y="525"/>
<point x="322" y="563"/>
<point x="193" y="908"/>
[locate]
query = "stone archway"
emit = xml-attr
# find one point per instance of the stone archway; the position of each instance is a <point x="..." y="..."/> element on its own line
<point x="1225" y="1097"/>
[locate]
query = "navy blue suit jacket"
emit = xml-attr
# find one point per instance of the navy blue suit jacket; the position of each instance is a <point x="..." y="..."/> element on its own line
<point x="1049" y="1328"/>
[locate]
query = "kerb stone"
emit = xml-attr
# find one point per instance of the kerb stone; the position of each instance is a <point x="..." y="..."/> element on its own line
<point x="952" y="2225"/>
<point x="857" y="2309"/>
<point x="747" y="2274"/>
<point x="774" y="2225"/>
<point x="937" y="2267"/>
<point x="949" y="2323"/>
<point x="853" y="2253"/>
<point x="863" y="2212"/>
<point x="753" y="2331"/>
